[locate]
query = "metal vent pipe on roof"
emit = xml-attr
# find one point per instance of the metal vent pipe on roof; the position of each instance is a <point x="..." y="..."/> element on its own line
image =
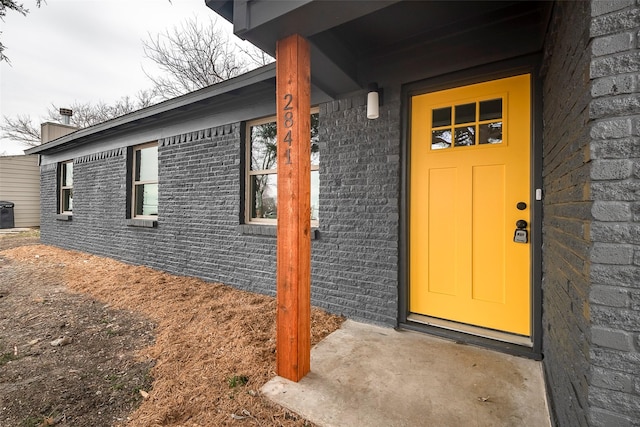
<point x="66" y="114"/>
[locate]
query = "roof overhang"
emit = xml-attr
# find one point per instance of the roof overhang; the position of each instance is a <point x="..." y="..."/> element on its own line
<point x="221" y="94"/>
<point x="225" y="96"/>
<point x="353" y="40"/>
<point x="352" y="44"/>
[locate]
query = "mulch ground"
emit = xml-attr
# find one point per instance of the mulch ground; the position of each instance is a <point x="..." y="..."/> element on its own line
<point x="136" y="346"/>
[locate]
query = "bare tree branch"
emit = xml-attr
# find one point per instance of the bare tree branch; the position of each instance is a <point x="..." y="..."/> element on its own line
<point x="193" y="56"/>
<point x="85" y="114"/>
<point x="12" y="5"/>
<point x="254" y="55"/>
<point x="6" y="5"/>
<point x="21" y="129"/>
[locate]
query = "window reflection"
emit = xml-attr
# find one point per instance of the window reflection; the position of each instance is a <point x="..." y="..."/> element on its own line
<point x="491" y="133"/>
<point x="263" y="147"/>
<point x="67" y="200"/>
<point x="482" y="120"/>
<point x="264" y="196"/>
<point x="145" y="181"/>
<point x="67" y="174"/>
<point x="465" y="113"/>
<point x="66" y="187"/>
<point x="440" y="139"/>
<point x="465" y="136"/>
<point x="263" y="174"/>
<point x="441" y="117"/>
<point x="146" y="199"/>
<point x="490" y="110"/>
<point x="147" y="164"/>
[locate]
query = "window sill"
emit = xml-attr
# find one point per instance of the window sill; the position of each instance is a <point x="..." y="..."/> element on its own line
<point x="145" y="223"/>
<point x="64" y="217"/>
<point x="269" y="230"/>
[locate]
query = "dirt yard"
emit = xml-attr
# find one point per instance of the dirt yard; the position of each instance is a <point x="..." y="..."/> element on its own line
<point x="89" y="341"/>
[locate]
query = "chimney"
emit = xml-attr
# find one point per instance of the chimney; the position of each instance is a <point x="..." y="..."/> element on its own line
<point x="66" y="114"/>
<point x="50" y="131"/>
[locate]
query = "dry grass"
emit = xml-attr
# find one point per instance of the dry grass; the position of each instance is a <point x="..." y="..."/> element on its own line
<point x="209" y="339"/>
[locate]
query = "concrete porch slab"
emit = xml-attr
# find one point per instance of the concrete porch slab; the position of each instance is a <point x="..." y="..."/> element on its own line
<point x="364" y="375"/>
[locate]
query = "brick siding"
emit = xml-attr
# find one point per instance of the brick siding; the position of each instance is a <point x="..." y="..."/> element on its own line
<point x="614" y="298"/>
<point x="567" y="214"/>
<point x="591" y="266"/>
<point x="591" y="222"/>
<point x="198" y="233"/>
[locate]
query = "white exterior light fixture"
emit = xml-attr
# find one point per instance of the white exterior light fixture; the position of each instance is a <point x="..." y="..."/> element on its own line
<point x="373" y="101"/>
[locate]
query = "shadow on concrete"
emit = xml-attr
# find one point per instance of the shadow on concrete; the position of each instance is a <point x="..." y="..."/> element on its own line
<point x="364" y="375"/>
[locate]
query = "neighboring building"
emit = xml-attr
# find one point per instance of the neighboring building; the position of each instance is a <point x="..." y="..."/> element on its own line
<point x="20" y="179"/>
<point x="494" y="201"/>
<point x="20" y="185"/>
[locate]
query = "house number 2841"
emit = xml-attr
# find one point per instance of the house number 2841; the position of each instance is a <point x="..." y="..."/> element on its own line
<point x="288" y="124"/>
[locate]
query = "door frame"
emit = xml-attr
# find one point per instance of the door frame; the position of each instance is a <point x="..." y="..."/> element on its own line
<point x="522" y="65"/>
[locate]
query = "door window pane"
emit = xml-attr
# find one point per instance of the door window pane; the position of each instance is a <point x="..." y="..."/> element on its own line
<point x="465" y="136"/>
<point x="484" y="128"/>
<point x="465" y="113"/>
<point x="440" y="139"/>
<point x="441" y="117"/>
<point x="491" y="133"/>
<point x="490" y="110"/>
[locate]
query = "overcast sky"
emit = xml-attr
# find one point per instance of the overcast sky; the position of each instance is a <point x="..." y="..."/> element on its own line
<point x="81" y="50"/>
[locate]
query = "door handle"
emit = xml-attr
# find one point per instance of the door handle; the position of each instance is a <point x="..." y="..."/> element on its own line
<point x="521" y="234"/>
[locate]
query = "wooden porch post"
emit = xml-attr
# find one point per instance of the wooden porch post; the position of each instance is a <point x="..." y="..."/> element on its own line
<point x="293" y="276"/>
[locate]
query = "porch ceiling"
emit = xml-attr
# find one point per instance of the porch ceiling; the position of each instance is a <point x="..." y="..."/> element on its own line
<point x="353" y="42"/>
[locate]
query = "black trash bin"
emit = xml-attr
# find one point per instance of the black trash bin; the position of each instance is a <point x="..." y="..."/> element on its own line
<point x="6" y="215"/>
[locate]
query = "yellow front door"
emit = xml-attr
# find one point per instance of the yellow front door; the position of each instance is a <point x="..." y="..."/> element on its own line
<point x="469" y="185"/>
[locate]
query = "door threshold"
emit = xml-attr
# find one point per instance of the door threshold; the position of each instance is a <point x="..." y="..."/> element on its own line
<point x="491" y="334"/>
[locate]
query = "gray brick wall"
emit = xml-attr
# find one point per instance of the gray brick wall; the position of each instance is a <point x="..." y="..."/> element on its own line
<point x="591" y="265"/>
<point x="567" y="212"/>
<point x="98" y="224"/>
<point x="614" y="390"/>
<point x="198" y="233"/>
<point x="355" y="268"/>
<point x="199" y="214"/>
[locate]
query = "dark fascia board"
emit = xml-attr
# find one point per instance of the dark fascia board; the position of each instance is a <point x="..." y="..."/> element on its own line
<point x="223" y="8"/>
<point x="168" y="107"/>
<point x="264" y="22"/>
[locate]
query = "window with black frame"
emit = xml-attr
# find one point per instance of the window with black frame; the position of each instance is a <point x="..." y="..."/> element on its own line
<point x="262" y="172"/>
<point x="144" y="192"/>
<point x="66" y="188"/>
